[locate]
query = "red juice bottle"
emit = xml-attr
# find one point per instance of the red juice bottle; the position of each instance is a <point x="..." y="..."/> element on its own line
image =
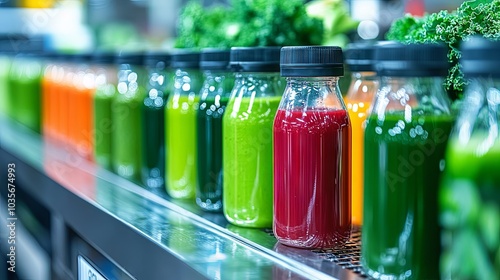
<point x="312" y="151"/>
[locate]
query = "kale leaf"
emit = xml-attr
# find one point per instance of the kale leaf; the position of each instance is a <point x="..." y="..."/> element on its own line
<point x="248" y="23"/>
<point x="479" y="17"/>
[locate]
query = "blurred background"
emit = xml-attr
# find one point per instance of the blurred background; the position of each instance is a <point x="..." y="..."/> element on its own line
<point x="152" y="24"/>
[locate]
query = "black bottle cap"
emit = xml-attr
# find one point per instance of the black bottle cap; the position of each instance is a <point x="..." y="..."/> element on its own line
<point x="132" y="58"/>
<point x="255" y="59"/>
<point x="103" y="57"/>
<point x="312" y="61"/>
<point x="214" y="59"/>
<point x="480" y="57"/>
<point x="158" y="59"/>
<point x="185" y="59"/>
<point x="413" y="60"/>
<point x="359" y="57"/>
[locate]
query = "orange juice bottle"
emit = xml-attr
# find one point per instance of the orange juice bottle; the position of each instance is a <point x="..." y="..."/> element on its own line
<point x="55" y="92"/>
<point x="48" y="82"/>
<point x="66" y="114"/>
<point x="81" y="111"/>
<point x="364" y="85"/>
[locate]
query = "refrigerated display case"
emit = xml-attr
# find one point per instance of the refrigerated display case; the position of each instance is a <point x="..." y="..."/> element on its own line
<point x="87" y="220"/>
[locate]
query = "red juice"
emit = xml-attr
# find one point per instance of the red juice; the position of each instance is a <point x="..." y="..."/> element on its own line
<point x="312" y="173"/>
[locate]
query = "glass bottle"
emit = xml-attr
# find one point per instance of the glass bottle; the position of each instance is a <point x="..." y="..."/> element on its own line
<point x="405" y="139"/>
<point x="153" y="119"/>
<point x="214" y="95"/>
<point x="48" y="81"/>
<point x="5" y="61"/>
<point x="247" y="138"/>
<point x="105" y="91"/>
<point x="65" y="90"/>
<point x="80" y="106"/>
<point x="312" y="151"/>
<point x="126" y="116"/>
<point x="180" y="125"/>
<point x="470" y="191"/>
<point x="58" y="113"/>
<point x="364" y="85"/>
<point x="25" y="80"/>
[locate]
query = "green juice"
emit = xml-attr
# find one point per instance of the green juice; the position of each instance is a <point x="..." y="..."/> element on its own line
<point x="180" y="130"/>
<point x="4" y="89"/>
<point x="470" y="209"/>
<point x="403" y="166"/>
<point x="25" y="93"/>
<point x="28" y="111"/>
<point x="209" y="126"/>
<point x="103" y="98"/>
<point x="126" y="136"/>
<point x="248" y="161"/>
<point x="153" y="138"/>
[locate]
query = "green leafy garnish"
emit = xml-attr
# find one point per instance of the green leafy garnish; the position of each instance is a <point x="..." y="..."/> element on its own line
<point x="479" y="17"/>
<point x="248" y="23"/>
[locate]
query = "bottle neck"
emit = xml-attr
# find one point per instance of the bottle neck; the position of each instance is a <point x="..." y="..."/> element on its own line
<point x="415" y="85"/>
<point x="258" y="84"/>
<point x="266" y="76"/>
<point x="364" y="75"/>
<point x="216" y="83"/>
<point x="187" y="82"/>
<point x="312" y="81"/>
<point x="479" y="115"/>
<point x="310" y="93"/>
<point x="425" y="94"/>
<point x="362" y="88"/>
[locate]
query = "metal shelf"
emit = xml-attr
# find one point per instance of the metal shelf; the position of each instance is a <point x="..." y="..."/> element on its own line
<point x="148" y="234"/>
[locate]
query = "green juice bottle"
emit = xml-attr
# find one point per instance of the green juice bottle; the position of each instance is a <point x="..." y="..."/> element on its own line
<point x="153" y="119"/>
<point x="25" y="82"/>
<point x="247" y="137"/>
<point x="470" y="192"/>
<point x="180" y="126"/>
<point x="214" y="95"/>
<point x="126" y="116"/>
<point x="405" y="140"/>
<point x="5" y="61"/>
<point x="105" y="83"/>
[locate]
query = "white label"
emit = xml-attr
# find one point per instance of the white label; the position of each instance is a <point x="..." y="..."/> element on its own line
<point x="87" y="271"/>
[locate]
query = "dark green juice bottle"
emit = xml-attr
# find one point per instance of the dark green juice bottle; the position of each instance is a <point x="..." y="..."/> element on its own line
<point x="405" y="140"/>
<point x="215" y="91"/>
<point x="126" y="116"/>
<point x="153" y="119"/>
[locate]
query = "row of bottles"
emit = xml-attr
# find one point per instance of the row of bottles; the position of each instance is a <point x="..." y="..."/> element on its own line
<point x="222" y="128"/>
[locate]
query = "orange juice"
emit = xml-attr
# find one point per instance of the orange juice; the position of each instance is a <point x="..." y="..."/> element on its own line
<point x="364" y="85"/>
<point x="358" y="110"/>
<point x="65" y="114"/>
<point x="80" y="106"/>
<point x="84" y="121"/>
<point x="55" y="102"/>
